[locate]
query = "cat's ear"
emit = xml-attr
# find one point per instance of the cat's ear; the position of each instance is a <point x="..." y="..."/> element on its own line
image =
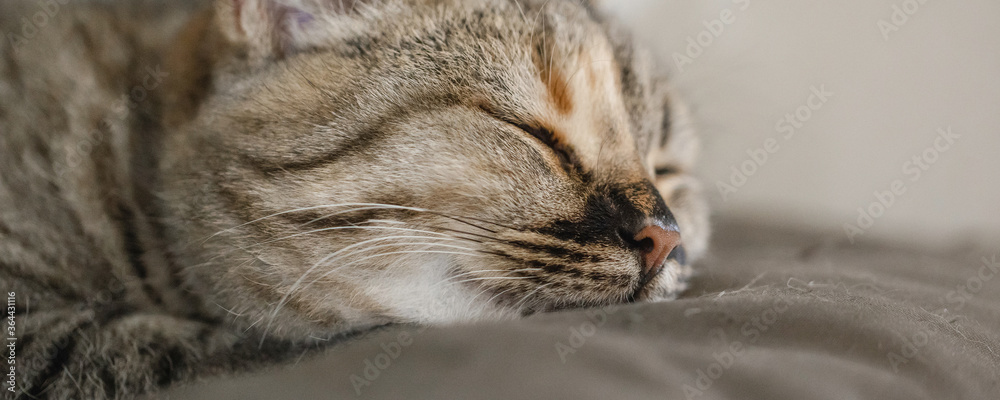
<point x="273" y="29"/>
<point x="593" y="4"/>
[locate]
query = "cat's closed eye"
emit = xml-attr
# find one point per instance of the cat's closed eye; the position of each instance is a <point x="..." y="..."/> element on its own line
<point x="544" y="135"/>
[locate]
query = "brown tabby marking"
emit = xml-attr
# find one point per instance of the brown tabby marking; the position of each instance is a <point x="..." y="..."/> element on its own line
<point x="559" y="90"/>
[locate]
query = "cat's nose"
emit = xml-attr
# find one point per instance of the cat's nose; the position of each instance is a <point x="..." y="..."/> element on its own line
<point x="655" y="245"/>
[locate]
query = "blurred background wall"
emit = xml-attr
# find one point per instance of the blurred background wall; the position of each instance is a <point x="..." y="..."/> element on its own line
<point x="894" y="76"/>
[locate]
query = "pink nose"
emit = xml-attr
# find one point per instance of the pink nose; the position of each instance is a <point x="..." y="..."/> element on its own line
<point x="655" y="244"/>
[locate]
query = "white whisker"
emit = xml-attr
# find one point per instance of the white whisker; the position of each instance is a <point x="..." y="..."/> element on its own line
<point x="490" y="270"/>
<point x="367" y="249"/>
<point x="392" y="253"/>
<point x="526" y="297"/>
<point x="490" y="301"/>
<point x="498" y="278"/>
<point x="387" y="221"/>
<point x="339" y="228"/>
<point x="386" y="206"/>
<point x="254" y="323"/>
<point x="343" y="212"/>
<point x="331" y="256"/>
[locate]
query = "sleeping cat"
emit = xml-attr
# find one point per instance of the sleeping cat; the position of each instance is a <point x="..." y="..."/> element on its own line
<point x="192" y="189"/>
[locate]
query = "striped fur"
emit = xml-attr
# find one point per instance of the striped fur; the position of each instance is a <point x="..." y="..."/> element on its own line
<point x="192" y="189"/>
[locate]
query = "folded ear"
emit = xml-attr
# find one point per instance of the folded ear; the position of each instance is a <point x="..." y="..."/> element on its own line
<point x="273" y="29"/>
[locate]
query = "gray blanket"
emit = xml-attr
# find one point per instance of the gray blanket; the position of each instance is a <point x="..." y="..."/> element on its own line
<point x="773" y="314"/>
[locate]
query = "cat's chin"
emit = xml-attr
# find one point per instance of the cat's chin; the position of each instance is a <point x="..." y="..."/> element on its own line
<point x="669" y="285"/>
<point x="420" y="299"/>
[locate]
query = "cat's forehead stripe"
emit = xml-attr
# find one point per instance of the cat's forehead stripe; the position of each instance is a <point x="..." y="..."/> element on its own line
<point x="562" y="76"/>
<point x="583" y="94"/>
<point x="559" y="90"/>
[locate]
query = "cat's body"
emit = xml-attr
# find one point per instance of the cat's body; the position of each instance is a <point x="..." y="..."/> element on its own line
<point x="99" y="306"/>
<point x="189" y="189"/>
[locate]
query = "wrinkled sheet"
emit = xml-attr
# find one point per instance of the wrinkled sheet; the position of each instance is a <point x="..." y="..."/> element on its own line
<point x="773" y="314"/>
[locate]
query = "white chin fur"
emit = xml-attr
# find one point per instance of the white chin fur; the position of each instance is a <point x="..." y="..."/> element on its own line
<point x="426" y="294"/>
<point x="670" y="284"/>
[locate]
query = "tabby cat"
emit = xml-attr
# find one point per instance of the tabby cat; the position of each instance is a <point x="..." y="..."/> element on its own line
<point x="191" y="189"/>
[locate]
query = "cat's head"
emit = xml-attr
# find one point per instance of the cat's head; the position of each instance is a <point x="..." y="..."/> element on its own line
<point x="366" y="162"/>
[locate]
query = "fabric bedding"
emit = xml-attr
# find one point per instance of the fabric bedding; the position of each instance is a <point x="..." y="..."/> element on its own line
<point x="773" y="314"/>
